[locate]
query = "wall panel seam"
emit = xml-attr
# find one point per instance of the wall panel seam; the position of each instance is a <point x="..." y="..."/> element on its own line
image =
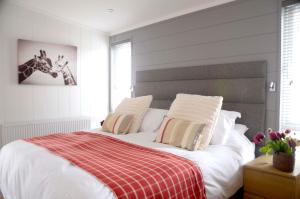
<point x="205" y="59"/>
<point x="253" y="54"/>
<point x="205" y="43"/>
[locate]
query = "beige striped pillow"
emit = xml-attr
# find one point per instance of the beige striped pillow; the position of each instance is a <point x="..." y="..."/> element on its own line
<point x="199" y="109"/>
<point x="117" y="123"/>
<point x="180" y="133"/>
<point x="137" y="107"/>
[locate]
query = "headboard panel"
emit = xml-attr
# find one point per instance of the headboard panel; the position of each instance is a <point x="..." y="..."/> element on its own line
<point x="243" y="86"/>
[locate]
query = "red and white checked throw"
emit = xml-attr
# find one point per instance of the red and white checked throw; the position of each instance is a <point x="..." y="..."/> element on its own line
<point x="131" y="171"/>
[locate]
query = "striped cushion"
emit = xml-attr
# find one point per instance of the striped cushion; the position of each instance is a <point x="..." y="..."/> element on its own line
<point x="199" y="109"/>
<point x="137" y="107"/>
<point x="117" y="123"/>
<point x="181" y="133"/>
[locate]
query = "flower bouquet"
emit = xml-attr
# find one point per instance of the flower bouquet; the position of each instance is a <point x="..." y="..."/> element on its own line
<point x="281" y="144"/>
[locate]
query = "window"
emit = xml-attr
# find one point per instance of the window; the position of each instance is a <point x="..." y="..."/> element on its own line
<point x="120" y="73"/>
<point x="290" y="66"/>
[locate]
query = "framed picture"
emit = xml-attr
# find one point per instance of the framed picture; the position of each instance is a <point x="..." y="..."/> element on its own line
<point x="42" y="63"/>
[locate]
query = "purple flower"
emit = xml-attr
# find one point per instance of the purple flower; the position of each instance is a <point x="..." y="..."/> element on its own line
<point x="269" y="130"/>
<point x="282" y="135"/>
<point x="292" y="143"/>
<point x="287" y="131"/>
<point x="259" y="137"/>
<point x="274" y="135"/>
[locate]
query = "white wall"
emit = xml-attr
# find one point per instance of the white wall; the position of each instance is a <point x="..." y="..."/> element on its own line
<point x="28" y="102"/>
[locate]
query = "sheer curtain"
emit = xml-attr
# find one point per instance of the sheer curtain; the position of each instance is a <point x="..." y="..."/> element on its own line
<point x="121" y="71"/>
<point x="290" y="66"/>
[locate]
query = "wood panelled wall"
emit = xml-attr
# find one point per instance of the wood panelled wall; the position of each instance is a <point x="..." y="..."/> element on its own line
<point x="244" y="30"/>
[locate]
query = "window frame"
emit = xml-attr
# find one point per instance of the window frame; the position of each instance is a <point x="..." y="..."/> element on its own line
<point x="111" y="45"/>
<point x="284" y="3"/>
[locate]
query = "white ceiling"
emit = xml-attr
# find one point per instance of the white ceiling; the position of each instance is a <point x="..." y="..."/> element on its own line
<point x="128" y="14"/>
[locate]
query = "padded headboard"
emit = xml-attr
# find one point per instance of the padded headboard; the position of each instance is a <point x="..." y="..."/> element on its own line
<point x="242" y="85"/>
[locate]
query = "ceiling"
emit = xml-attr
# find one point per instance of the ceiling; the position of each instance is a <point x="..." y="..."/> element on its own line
<point x="126" y="14"/>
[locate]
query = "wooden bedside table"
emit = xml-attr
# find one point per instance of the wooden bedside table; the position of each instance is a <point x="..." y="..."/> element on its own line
<point x="262" y="181"/>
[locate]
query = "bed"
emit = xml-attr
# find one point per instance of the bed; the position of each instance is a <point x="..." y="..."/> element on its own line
<point x="54" y="177"/>
<point x="28" y="171"/>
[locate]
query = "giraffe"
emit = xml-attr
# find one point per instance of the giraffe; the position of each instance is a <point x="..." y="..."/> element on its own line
<point x="62" y="66"/>
<point x="41" y="63"/>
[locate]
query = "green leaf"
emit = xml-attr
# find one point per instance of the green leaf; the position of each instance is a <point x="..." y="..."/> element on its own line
<point x="275" y="145"/>
<point x="269" y="151"/>
<point x="265" y="149"/>
<point x="286" y="148"/>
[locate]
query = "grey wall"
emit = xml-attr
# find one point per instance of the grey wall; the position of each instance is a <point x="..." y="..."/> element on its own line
<point x="244" y="30"/>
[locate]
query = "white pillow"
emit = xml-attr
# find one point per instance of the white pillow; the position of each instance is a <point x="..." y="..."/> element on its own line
<point x="231" y="116"/>
<point x="153" y="119"/>
<point x="242" y="145"/>
<point x="224" y="125"/>
<point x="241" y="128"/>
<point x="200" y="109"/>
<point x="137" y="107"/>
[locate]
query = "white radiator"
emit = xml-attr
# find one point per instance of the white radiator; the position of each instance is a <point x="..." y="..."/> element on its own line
<point x="13" y="131"/>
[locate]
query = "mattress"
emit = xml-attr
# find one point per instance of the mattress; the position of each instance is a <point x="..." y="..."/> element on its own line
<point x="28" y="171"/>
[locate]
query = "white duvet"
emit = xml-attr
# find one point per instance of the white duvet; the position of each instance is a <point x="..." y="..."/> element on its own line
<point x="28" y="171"/>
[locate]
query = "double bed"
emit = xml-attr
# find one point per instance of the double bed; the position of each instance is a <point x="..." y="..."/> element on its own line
<point x="28" y="171"/>
<point x="33" y="172"/>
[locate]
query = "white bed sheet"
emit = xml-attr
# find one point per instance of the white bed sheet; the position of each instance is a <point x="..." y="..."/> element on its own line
<point x="28" y="171"/>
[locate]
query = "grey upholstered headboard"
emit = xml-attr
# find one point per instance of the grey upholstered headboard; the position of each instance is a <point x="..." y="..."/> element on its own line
<point x="243" y="86"/>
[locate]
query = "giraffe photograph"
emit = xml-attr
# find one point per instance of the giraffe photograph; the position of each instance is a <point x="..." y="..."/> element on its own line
<point x="42" y="63"/>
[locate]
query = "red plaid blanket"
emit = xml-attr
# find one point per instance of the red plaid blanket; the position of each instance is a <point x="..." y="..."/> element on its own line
<point x="131" y="171"/>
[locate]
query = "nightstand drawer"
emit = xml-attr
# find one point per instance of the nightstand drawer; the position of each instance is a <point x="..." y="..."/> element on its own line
<point x="269" y="186"/>
<point x="251" y="196"/>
